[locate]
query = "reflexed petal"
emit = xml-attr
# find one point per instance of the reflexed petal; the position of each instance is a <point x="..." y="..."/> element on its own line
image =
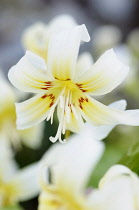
<point x="99" y="114"/>
<point x="95" y="112"/>
<point x="63" y="51"/>
<point x="35" y="110"/>
<point x="29" y="74"/>
<point x="74" y="162"/>
<point x="26" y="180"/>
<point x="105" y="75"/>
<point x="101" y="132"/>
<point x="84" y="63"/>
<point x="32" y="137"/>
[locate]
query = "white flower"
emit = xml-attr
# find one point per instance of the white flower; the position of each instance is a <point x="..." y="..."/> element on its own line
<point x="61" y="84"/>
<point x="16" y="185"/>
<point x="30" y="137"/>
<point x="36" y="37"/>
<point x="66" y="170"/>
<point x="118" y="190"/>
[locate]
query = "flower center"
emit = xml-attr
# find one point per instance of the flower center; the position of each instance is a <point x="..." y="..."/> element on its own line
<point x="65" y="106"/>
<point x="68" y="84"/>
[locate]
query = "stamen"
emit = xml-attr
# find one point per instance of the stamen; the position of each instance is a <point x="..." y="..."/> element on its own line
<point x="74" y="111"/>
<point x="61" y="102"/>
<point x="62" y="123"/>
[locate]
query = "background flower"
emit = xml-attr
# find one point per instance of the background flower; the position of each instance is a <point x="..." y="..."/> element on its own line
<point x="15" y="184"/>
<point x="8" y="132"/>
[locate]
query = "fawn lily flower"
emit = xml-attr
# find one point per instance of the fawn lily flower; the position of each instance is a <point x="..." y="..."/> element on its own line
<point x="66" y="169"/>
<point x="60" y="84"/>
<point x="30" y="137"/>
<point x="36" y="37"/>
<point x="118" y="190"/>
<point x="15" y="185"/>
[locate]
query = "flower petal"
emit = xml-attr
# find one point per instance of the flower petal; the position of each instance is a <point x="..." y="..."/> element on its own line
<point x="105" y="75"/>
<point x="99" y="114"/>
<point x="36" y="37"/>
<point x="26" y="181"/>
<point x="73" y="163"/>
<point x="115" y="172"/>
<point x="84" y="63"/>
<point x="29" y="74"/>
<point x="63" y="51"/>
<point x="119" y="190"/>
<point x="35" y="110"/>
<point x="101" y="132"/>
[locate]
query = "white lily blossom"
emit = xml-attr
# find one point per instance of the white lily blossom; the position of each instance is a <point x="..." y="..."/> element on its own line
<point x="65" y="171"/>
<point x="30" y="137"/>
<point x="36" y="37"/>
<point x="59" y="84"/>
<point x="16" y="185"/>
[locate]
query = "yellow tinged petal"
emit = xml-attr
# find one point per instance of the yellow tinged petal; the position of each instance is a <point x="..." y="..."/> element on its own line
<point x="95" y="112"/>
<point x="63" y="51"/>
<point x="29" y="74"/>
<point x="35" y="110"/>
<point x="105" y="75"/>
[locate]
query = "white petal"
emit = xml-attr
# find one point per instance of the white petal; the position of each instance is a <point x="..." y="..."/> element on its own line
<point x="101" y="132"/>
<point x="99" y="114"/>
<point x="29" y="74"/>
<point x="117" y="171"/>
<point x="84" y="63"/>
<point x="71" y="164"/>
<point x="63" y="51"/>
<point x="119" y="190"/>
<point x="32" y="137"/>
<point x="105" y="75"/>
<point x="26" y="181"/>
<point x="35" y="110"/>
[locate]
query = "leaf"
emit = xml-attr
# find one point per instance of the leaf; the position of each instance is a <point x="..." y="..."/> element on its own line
<point x="131" y="158"/>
